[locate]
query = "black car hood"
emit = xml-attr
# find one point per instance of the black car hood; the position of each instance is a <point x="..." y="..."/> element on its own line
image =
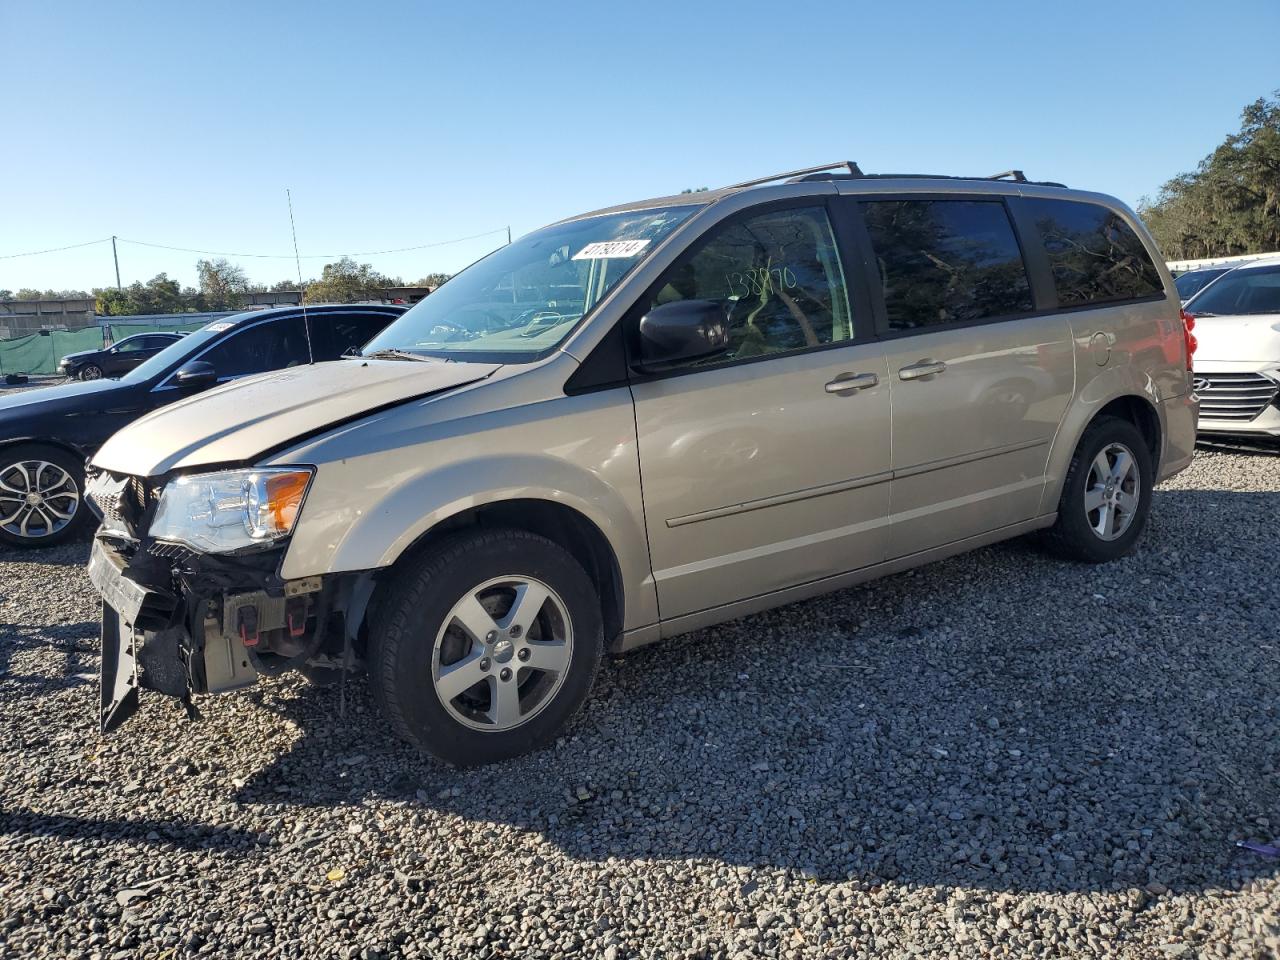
<point x="81" y="354"/>
<point x="64" y="398"/>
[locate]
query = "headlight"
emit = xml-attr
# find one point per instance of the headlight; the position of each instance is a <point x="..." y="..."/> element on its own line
<point x="230" y="509"/>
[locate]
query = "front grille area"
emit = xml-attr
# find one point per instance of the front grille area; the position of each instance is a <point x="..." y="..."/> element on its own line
<point x="122" y="501"/>
<point x="1234" y="396"/>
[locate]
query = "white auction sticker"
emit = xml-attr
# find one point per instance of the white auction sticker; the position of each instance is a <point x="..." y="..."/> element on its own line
<point x="219" y="327"/>
<point x="611" y="249"/>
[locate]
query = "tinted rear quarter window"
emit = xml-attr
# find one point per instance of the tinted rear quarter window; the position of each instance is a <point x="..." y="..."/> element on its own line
<point x="1189" y="284"/>
<point x="347" y="331"/>
<point x="1094" y="255"/>
<point x="265" y="346"/>
<point x="946" y="261"/>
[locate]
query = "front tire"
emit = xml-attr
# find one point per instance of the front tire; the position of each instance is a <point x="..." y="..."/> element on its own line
<point x="91" y="371"/>
<point x="485" y="646"/>
<point x="41" y="495"/>
<point x="1106" y="495"/>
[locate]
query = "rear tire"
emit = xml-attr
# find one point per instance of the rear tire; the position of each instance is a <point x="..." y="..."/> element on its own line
<point x="532" y="632"/>
<point x="39" y="484"/>
<point x="1106" y="495"/>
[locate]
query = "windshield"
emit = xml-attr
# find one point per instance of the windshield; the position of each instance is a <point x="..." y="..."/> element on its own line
<point x="1246" y="291"/>
<point x="1189" y="284"/>
<point x="526" y="297"/>
<point x="175" y="352"/>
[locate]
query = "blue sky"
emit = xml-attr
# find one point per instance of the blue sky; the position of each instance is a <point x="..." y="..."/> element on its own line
<point x="396" y="124"/>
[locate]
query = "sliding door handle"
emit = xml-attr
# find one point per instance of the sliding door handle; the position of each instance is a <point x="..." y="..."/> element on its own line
<point x="924" y="368"/>
<point x="849" y="382"/>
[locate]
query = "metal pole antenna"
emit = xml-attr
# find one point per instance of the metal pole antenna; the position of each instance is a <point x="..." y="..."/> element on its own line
<point x="306" y="321"/>
<point x="116" y="257"/>
<point x="508" y="233"/>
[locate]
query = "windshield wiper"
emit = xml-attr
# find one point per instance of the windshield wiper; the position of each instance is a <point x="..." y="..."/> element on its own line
<point x="392" y="354"/>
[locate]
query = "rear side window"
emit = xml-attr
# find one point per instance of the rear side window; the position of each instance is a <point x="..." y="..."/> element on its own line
<point x="1094" y="255"/>
<point x="946" y="261"/>
<point x="346" y="332"/>
<point x="267" y="346"/>
<point x="1189" y="284"/>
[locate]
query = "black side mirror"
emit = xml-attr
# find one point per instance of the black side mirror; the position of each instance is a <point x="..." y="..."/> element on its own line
<point x="196" y="375"/>
<point x="680" y="332"/>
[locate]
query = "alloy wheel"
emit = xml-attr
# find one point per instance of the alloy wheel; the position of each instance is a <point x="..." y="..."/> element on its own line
<point x="91" y="372"/>
<point x="37" y="498"/>
<point x="502" y="653"/>
<point x="1113" y="491"/>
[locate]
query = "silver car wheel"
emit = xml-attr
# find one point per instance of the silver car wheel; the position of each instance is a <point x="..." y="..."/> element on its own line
<point x="502" y="653"/>
<point x="1113" y="491"/>
<point x="37" y="498"/>
<point x="91" y="372"/>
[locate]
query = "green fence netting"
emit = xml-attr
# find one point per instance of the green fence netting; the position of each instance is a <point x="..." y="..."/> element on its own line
<point x="40" y="352"/>
<point x="121" y="330"/>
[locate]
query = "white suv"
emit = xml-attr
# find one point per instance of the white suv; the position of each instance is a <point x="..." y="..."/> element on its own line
<point x="1237" y="362"/>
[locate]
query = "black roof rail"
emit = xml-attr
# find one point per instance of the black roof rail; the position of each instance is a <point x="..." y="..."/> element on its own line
<point x="847" y="165"/>
<point x="851" y="171"/>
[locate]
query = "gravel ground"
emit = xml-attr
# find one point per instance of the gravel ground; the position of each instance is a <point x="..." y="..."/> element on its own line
<point x="999" y="755"/>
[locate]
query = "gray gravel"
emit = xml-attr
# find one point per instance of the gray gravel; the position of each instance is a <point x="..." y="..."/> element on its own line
<point x="999" y="755"/>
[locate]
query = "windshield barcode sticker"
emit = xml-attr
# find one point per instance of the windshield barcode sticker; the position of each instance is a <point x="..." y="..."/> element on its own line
<point x="219" y="327"/>
<point x="611" y="249"/>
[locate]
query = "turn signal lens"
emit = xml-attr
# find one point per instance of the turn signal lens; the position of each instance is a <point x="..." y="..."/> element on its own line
<point x="273" y="501"/>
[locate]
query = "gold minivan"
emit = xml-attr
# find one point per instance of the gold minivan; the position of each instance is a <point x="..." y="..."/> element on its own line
<point x="642" y="421"/>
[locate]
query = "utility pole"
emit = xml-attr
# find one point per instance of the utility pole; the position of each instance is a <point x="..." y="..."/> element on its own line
<point x="116" y="257"/>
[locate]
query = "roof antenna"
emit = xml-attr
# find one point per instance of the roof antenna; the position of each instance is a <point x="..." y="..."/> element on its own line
<point x="302" y="293"/>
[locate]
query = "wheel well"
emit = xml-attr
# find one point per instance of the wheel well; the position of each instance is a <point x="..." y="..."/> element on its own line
<point x="1142" y="415"/>
<point x="45" y="442"/>
<point x="559" y="524"/>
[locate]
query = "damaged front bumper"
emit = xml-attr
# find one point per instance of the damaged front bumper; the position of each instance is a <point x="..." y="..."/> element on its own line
<point x="182" y="623"/>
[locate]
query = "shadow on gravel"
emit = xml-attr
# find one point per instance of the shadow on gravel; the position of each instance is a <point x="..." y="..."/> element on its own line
<point x="184" y="835"/>
<point x="1001" y="720"/>
<point x="72" y="553"/>
<point x="77" y="642"/>
<point x="1242" y="445"/>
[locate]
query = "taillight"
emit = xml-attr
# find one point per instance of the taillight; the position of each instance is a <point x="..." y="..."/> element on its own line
<point x="1189" y="324"/>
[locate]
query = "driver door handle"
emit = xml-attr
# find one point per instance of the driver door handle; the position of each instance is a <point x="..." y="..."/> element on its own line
<point x="849" y="382"/>
<point x="921" y="369"/>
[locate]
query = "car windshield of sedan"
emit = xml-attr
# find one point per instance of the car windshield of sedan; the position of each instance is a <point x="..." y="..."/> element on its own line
<point x="525" y="298"/>
<point x="1249" y="290"/>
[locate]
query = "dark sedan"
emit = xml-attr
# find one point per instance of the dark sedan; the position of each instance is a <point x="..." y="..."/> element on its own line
<point x="45" y="435"/>
<point x="117" y="359"/>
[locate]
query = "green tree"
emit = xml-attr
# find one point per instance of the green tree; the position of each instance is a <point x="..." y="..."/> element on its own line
<point x="157" y="295"/>
<point x="1231" y="203"/>
<point x="433" y="280"/>
<point x="348" y="282"/>
<point x="222" y="284"/>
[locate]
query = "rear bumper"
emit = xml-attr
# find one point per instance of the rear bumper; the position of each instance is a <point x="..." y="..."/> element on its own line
<point x="1180" y="414"/>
